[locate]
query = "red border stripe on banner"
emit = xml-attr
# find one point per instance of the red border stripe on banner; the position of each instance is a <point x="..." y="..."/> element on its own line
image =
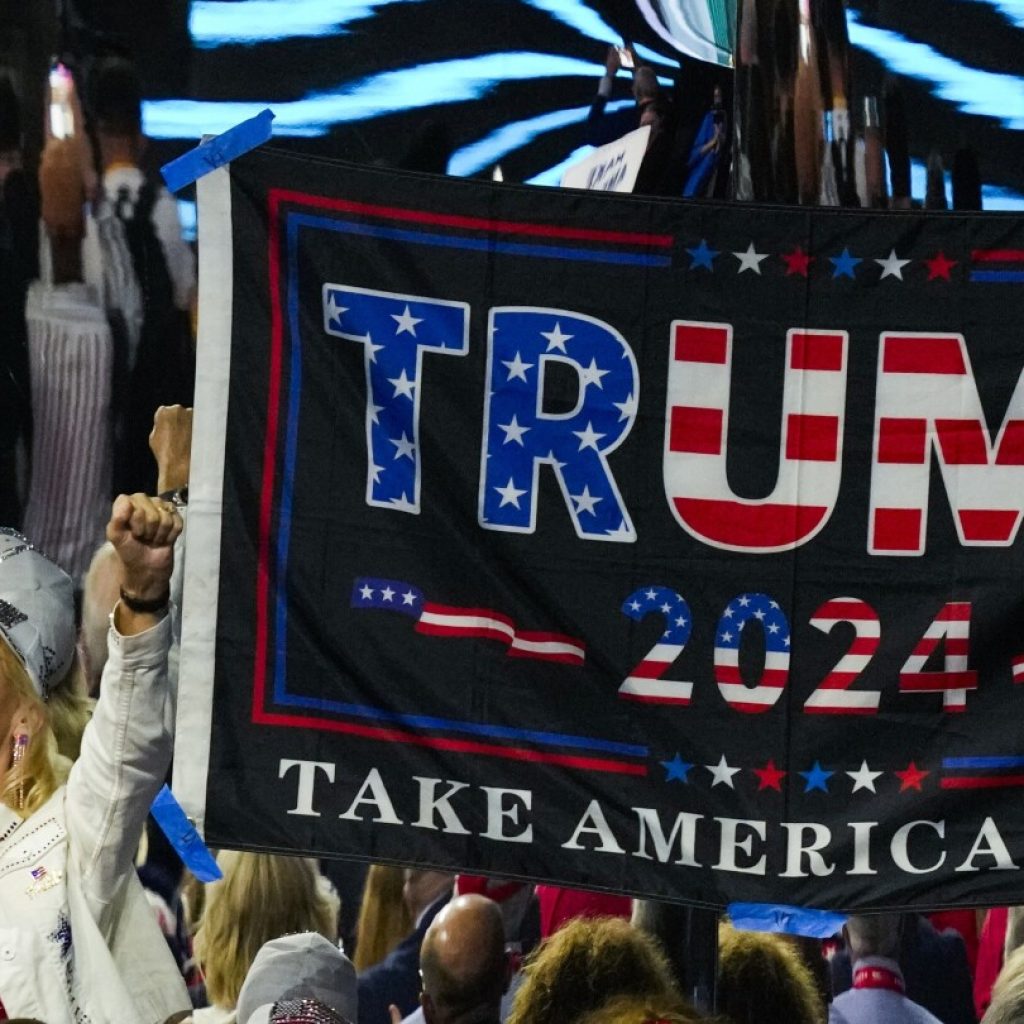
<point x="594" y="764"/>
<point x="452" y="220"/>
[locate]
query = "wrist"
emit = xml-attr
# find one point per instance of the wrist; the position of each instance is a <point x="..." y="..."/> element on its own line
<point x="146" y="605"/>
<point x="173" y="476"/>
<point x="144" y="588"/>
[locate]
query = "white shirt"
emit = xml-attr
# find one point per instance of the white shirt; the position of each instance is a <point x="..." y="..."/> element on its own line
<point x="78" y="940"/>
<point x="181" y="263"/>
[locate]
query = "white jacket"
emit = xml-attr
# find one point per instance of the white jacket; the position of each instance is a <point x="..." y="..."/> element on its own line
<point x="79" y="944"/>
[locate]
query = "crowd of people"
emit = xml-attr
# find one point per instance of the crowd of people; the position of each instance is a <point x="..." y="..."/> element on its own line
<point x="99" y="921"/>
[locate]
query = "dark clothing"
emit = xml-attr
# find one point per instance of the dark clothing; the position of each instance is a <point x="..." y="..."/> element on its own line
<point x="19" y="259"/>
<point x="396" y="979"/>
<point x="663" y="167"/>
<point x="934" y="967"/>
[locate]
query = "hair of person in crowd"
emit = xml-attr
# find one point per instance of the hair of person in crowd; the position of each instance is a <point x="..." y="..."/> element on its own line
<point x="586" y="963"/>
<point x="633" y="1010"/>
<point x="423" y="887"/>
<point x="1007" y="1006"/>
<point x="116" y="98"/>
<point x="462" y="962"/>
<point x="872" y="935"/>
<point x="260" y="897"/>
<point x="761" y="980"/>
<point x="10" y="115"/>
<point x="384" y="918"/>
<point x="100" y="593"/>
<point x="57" y="738"/>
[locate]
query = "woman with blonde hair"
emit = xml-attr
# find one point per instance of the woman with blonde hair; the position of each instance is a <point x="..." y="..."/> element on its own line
<point x="587" y="963"/>
<point x="261" y="897"/>
<point x="384" y="918"/>
<point x="79" y="942"/>
<point x="762" y="980"/>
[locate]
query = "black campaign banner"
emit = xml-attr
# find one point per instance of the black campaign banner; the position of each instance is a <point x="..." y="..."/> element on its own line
<point x="660" y="547"/>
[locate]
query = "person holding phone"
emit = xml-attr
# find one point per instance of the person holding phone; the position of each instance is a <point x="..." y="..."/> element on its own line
<point x="661" y="172"/>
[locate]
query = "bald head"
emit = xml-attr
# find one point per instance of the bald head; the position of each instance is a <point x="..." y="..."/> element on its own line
<point x="462" y="961"/>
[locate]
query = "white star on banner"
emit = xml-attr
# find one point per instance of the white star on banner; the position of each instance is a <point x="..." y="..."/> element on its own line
<point x="403" y="503"/>
<point x="592" y="375"/>
<point x="627" y="409"/>
<point x="634" y="605"/>
<point x="651" y="595"/>
<point x="409" y="598"/>
<point x="332" y="308"/>
<point x="510" y="494"/>
<point x="622" y="530"/>
<point x="388" y="594"/>
<point x="371" y="349"/>
<point x="402" y="385"/>
<point x="585" y="502"/>
<point x="556" y="339"/>
<point x="864" y="778"/>
<point x="366" y="591"/>
<point x="375" y="472"/>
<point x="722" y="773"/>
<point x="666" y="608"/>
<point x="406" y="322"/>
<point x="405" y="447"/>
<point x="750" y="259"/>
<point x="589" y="437"/>
<point x="373" y="410"/>
<point x="892" y="266"/>
<point x="513" y="432"/>
<point x="517" y="368"/>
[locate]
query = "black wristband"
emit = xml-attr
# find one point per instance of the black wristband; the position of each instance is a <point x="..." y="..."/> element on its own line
<point x="179" y="496"/>
<point x="143" y="607"/>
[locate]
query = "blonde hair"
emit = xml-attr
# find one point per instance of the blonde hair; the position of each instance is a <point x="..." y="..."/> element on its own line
<point x="762" y="980"/>
<point x="51" y="749"/>
<point x="384" y="918"/>
<point x="637" y="1010"/>
<point x="261" y="897"/>
<point x="587" y="963"/>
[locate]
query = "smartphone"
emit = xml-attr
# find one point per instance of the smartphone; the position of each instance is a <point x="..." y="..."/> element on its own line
<point x="62" y="116"/>
<point x="625" y="56"/>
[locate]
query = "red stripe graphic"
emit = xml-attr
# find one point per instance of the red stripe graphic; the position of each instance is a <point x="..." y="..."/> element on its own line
<point x="922" y="354"/>
<point x="512" y="227"/>
<point x="593" y="764"/>
<point x="695" y="429"/>
<point x="997" y="255"/>
<point x="817" y="352"/>
<point x="749" y="526"/>
<point x="485" y="623"/>
<point x="771" y="677"/>
<point x="982" y="782"/>
<point x="996" y="525"/>
<point x="700" y="344"/>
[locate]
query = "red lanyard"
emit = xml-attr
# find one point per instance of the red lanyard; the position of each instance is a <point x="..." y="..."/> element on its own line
<point x="878" y="977"/>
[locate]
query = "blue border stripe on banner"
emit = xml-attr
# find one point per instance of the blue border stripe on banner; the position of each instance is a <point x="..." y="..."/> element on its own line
<point x="1000" y="761"/>
<point x="998" y="276"/>
<point x="482" y="244"/>
<point x="281" y="695"/>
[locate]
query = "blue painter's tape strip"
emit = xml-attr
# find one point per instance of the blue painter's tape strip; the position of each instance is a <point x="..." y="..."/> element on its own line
<point x="218" y="151"/>
<point x="777" y="917"/>
<point x="182" y="835"/>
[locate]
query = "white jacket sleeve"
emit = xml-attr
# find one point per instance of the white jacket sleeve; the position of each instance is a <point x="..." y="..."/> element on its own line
<point x="126" y="751"/>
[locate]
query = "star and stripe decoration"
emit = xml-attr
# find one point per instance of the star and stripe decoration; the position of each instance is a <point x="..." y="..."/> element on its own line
<point x="825" y="776"/>
<point x="612" y="542"/>
<point x="761" y="260"/>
